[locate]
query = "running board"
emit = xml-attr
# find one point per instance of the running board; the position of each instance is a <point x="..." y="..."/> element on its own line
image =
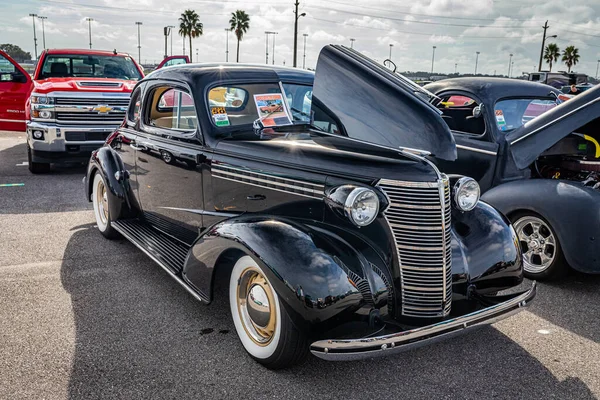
<point x="167" y="252"/>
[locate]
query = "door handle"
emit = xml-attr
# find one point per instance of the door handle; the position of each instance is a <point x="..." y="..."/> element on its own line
<point x="256" y="197"/>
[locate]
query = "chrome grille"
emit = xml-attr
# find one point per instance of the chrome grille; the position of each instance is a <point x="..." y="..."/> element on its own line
<point x="89" y="117"/>
<point x="81" y="101"/>
<point x="419" y="217"/>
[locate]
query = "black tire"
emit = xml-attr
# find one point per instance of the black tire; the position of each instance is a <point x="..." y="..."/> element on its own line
<point x="102" y="206"/>
<point x="287" y="346"/>
<point x="36" y="167"/>
<point x="558" y="266"/>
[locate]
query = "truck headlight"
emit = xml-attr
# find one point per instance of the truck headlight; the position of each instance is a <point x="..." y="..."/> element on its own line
<point x="466" y="193"/>
<point x="361" y="206"/>
<point x="36" y="99"/>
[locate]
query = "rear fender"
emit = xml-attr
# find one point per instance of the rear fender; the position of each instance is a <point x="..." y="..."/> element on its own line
<point x="572" y="209"/>
<point x="317" y="274"/>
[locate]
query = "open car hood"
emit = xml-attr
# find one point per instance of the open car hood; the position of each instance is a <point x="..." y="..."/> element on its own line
<point x="368" y="102"/>
<point x="538" y="135"/>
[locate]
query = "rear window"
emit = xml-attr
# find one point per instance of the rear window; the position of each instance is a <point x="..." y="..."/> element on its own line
<point x="89" y="66"/>
<point x="511" y="114"/>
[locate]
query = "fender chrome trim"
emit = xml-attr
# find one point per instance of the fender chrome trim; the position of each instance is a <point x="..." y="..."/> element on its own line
<point x="356" y="349"/>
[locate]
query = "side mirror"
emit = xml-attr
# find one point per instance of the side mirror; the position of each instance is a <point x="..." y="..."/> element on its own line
<point x="16" y="77"/>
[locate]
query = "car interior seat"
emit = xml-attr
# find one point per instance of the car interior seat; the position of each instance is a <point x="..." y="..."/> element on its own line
<point x="475" y="123"/>
<point x="59" y="70"/>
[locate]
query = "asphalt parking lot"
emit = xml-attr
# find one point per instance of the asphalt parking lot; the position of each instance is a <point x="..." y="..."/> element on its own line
<point x="82" y="317"/>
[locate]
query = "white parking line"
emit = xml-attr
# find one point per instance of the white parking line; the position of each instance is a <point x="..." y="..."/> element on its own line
<point x="23" y="164"/>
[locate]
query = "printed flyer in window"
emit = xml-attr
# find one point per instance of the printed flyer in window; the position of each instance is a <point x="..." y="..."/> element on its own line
<point x="271" y="109"/>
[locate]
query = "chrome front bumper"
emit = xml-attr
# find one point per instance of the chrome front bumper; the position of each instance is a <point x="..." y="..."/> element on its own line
<point x="355" y="349"/>
<point x="55" y="136"/>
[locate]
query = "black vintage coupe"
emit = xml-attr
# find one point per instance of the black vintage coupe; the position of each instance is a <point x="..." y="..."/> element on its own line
<point x="333" y="245"/>
<point x="536" y="159"/>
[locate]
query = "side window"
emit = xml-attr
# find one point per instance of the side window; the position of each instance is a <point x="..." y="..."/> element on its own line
<point x="235" y="105"/>
<point x="6" y="67"/>
<point x="133" y="113"/>
<point x="462" y="114"/>
<point x="174" y="61"/>
<point x="171" y="108"/>
<point x="299" y="99"/>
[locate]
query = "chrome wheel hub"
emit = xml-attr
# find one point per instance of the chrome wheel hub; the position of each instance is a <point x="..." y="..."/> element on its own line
<point x="538" y="243"/>
<point x="256" y="306"/>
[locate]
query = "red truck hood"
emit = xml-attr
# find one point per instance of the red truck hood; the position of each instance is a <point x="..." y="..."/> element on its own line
<point x="100" y="85"/>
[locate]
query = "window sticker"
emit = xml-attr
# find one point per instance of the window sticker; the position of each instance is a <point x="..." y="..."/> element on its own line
<point x="218" y="110"/>
<point x="271" y="109"/>
<point x="221" y="119"/>
<point x="500" y="120"/>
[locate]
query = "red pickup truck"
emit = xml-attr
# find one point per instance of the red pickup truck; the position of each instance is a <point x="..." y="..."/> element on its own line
<point x="75" y="99"/>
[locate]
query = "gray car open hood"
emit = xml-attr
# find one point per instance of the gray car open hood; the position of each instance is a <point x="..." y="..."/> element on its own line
<point x="538" y="135"/>
<point x="370" y="103"/>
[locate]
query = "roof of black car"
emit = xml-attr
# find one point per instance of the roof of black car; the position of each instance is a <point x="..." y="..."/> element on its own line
<point x="491" y="89"/>
<point x="234" y="71"/>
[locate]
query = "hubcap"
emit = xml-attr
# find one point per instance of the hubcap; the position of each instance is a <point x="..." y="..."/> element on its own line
<point x="256" y="306"/>
<point x="102" y="202"/>
<point x="538" y="243"/>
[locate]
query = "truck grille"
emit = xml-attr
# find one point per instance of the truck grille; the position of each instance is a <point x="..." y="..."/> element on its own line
<point x="419" y="217"/>
<point x="89" y="117"/>
<point x="80" y="101"/>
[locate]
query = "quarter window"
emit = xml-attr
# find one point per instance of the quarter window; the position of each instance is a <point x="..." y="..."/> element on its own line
<point x="462" y="114"/>
<point x="171" y="108"/>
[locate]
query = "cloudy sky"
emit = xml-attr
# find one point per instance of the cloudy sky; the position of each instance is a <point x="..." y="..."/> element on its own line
<point x="458" y="28"/>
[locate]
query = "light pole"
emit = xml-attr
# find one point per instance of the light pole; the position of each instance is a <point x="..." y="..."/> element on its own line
<point x="139" y="42"/>
<point x="597" y="65"/>
<point x="43" y="31"/>
<point x="34" y="36"/>
<point x="512" y="67"/>
<point x="352" y="43"/>
<point x="433" y="58"/>
<point x="171" y="27"/>
<point x="476" y="61"/>
<point x="273" y="55"/>
<point x="197" y="58"/>
<point x="390" y="57"/>
<point x="543" y="44"/>
<point x="267" y="33"/>
<point x="89" y="20"/>
<point x="304" y="53"/>
<point x="509" y="63"/>
<point x="226" y="44"/>
<point x="166" y="31"/>
<point x="455" y="67"/>
<point x="295" y="30"/>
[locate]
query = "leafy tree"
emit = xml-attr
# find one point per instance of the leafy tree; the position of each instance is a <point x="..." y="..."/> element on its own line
<point x="551" y="54"/>
<point x="190" y="26"/>
<point x="15" y="52"/>
<point x="570" y="57"/>
<point x="240" y="23"/>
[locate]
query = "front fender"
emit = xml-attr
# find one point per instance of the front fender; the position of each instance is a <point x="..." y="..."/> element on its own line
<point x="106" y="162"/>
<point x="572" y="209"/>
<point x="485" y="251"/>
<point x="318" y="275"/>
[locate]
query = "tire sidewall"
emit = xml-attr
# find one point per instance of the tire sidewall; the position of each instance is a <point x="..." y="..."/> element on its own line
<point x="102" y="227"/>
<point x="261" y="353"/>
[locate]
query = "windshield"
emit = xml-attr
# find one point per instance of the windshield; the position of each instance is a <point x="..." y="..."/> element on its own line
<point x="87" y="66"/>
<point x="511" y="114"/>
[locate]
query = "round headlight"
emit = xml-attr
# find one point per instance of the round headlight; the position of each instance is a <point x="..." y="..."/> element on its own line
<point x="45" y="114"/>
<point x="466" y="193"/>
<point x="38" y="134"/>
<point x="362" y="206"/>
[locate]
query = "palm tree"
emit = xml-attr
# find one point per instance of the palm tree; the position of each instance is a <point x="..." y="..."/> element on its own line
<point x="240" y="23"/>
<point x="190" y="26"/>
<point x="570" y="56"/>
<point x="551" y="54"/>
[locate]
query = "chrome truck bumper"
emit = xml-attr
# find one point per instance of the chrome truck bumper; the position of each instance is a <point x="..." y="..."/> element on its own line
<point x="58" y="137"/>
<point x="355" y="349"/>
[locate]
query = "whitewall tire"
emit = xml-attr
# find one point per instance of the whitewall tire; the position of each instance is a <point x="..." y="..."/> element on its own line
<point x="261" y="322"/>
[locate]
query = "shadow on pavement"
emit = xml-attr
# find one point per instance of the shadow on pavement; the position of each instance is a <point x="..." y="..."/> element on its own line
<point x="139" y="335"/>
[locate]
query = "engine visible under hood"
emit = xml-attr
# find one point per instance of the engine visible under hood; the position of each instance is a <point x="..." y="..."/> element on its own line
<point x="356" y="97"/>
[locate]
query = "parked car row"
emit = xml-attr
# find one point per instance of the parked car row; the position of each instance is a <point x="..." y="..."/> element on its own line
<point x="353" y="227"/>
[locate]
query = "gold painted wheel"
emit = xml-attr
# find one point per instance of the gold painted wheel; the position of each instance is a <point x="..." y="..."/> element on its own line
<point x="102" y="202"/>
<point x="255" y="305"/>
